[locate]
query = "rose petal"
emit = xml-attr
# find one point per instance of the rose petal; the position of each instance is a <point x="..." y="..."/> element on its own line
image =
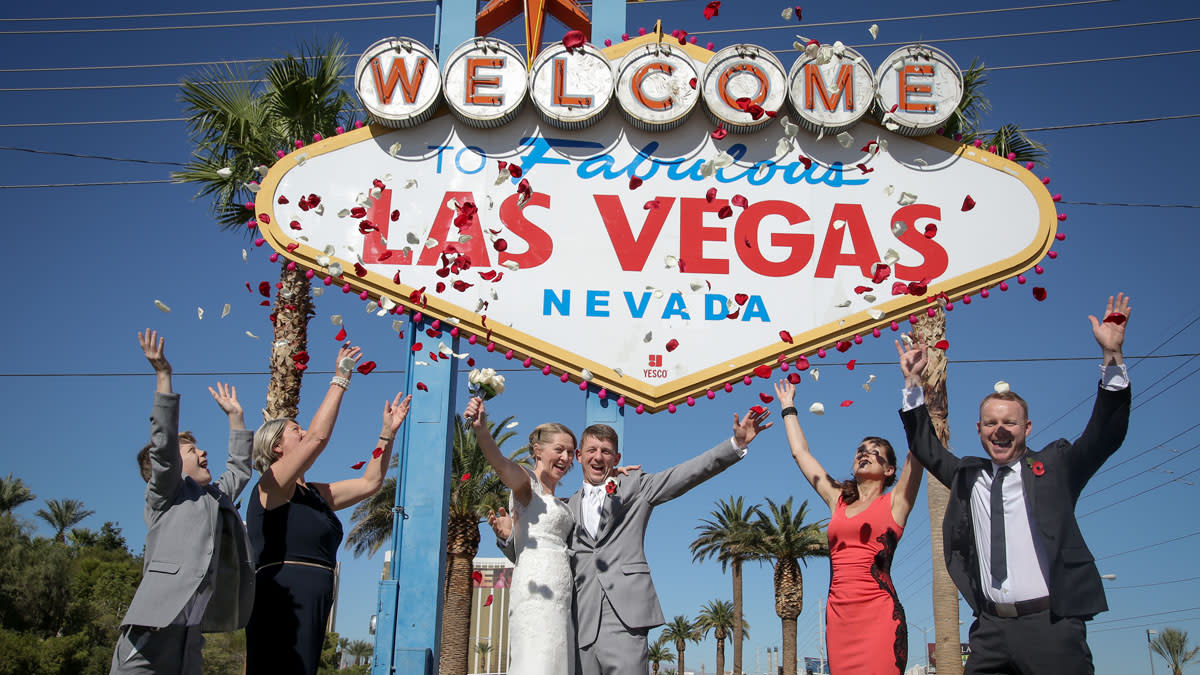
<point x="162" y="307"/>
<point x="366" y="368"/>
<point x="739" y="201"/>
<point x="719" y="133"/>
<point x="763" y="371"/>
<point x="1115" y="318"/>
<point x="710" y="195"/>
<point x="785" y="336"/>
<point x="930" y="231"/>
<point x="634" y="182"/>
<point x="341" y="335"/>
<point x="942" y="345"/>
<point x="968" y="203"/>
<point x="1039" y="293"/>
<point x="765" y="398"/>
<point x="672" y="345"/>
<point x="1001" y="387"/>
<point x="847" y="403"/>
<point x="817" y="408"/>
<point x="422" y="387"/>
<point x="851" y="363"/>
<point x="725" y="212"/>
<point x="873" y="29"/>
<point x="712" y="9"/>
<point x="358" y="465"/>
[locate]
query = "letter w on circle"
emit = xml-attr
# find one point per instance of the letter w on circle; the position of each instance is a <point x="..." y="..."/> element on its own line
<point x="409" y="84"/>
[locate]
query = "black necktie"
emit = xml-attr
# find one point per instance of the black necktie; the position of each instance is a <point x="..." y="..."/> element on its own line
<point x="999" y="554"/>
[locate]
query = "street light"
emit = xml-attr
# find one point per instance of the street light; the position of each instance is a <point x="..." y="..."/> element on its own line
<point x="1149" y="648"/>
<point x="924" y="644"/>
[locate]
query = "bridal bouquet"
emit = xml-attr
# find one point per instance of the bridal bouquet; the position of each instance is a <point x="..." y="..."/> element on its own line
<point x="485" y="383"/>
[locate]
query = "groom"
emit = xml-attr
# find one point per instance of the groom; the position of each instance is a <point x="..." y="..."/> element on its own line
<point x="615" y="602"/>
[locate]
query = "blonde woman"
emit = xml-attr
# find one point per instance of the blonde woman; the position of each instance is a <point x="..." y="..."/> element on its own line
<point x="295" y="532"/>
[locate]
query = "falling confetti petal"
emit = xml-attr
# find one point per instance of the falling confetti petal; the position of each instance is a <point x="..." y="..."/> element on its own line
<point x="162" y="307"/>
<point x="845" y="140"/>
<point x="648" y="337"/>
<point x="200" y="313"/>
<point x="906" y="198"/>
<point x="816" y="374"/>
<point x="817" y="408"/>
<point x="867" y="385"/>
<point x="225" y="172"/>
<point x="335" y="319"/>
<point x="875" y="314"/>
<point x="394" y="149"/>
<point x="249" y="334"/>
<point x="847" y="403"/>
<point x="1001" y="387"/>
<point x="873" y="29"/>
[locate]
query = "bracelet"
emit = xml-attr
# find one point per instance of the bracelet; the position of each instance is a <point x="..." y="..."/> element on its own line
<point x="790" y="410"/>
<point x="388" y="439"/>
<point x="343" y="382"/>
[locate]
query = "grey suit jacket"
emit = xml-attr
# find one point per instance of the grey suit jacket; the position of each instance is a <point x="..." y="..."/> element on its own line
<point x="613" y="564"/>
<point x="187" y="522"/>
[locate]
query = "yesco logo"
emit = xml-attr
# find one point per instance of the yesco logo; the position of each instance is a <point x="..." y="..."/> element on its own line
<point x="655" y="371"/>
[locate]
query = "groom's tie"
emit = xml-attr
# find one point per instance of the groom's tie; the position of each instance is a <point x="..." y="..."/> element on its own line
<point x="593" y="503"/>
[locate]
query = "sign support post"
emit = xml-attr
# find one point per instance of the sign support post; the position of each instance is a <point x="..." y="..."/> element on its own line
<point x="608" y="20"/>
<point x="409" y="622"/>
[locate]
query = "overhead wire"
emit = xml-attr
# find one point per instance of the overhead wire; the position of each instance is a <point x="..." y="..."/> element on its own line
<point x="1148" y="546"/>
<point x="244" y="10"/>
<point x="252" y="24"/>
<point x="36" y="151"/>
<point x="1143" y="492"/>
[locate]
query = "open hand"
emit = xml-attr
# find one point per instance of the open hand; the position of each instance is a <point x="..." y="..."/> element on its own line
<point x="501" y="523"/>
<point x="226" y="396"/>
<point x="1110" y="331"/>
<point x="913" y="360"/>
<point x="347" y="352"/>
<point x="786" y="393"/>
<point x="744" y="430"/>
<point x="394" y="413"/>
<point x="154" y="347"/>
<point x="625" y="470"/>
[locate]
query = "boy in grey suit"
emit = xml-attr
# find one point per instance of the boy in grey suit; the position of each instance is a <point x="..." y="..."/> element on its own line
<point x="615" y="601"/>
<point x="198" y="574"/>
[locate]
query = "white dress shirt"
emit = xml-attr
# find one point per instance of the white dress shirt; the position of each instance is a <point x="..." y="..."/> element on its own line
<point x="592" y="505"/>
<point x="1028" y="569"/>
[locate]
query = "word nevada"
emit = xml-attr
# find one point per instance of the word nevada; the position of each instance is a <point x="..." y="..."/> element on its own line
<point x="657" y="85"/>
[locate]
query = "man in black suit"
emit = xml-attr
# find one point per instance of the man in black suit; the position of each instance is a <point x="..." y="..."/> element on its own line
<point x="1013" y="546"/>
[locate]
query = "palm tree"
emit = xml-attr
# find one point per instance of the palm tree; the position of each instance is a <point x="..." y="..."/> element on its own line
<point x="82" y="537"/>
<point x="343" y="646"/>
<point x="680" y="631"/>
<point x="361" y="651"/>
<point x="1172" y="645"/>
<point x="786" y="539"/>
<point x="484" y="649"/>
<point x="659" y="652"/>
<point x="237" y="122"/>
<point x="719" y="617"/>
<point x="13" y="493"/>
<point x="726" y="536"/>
<point x="62" y="515"/>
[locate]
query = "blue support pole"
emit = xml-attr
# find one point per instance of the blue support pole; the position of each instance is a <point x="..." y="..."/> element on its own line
<point x="608" y="20"/>
<point x="454" y="25"/>
<point x="409" y="612"/>
<point x="604" y="411"/>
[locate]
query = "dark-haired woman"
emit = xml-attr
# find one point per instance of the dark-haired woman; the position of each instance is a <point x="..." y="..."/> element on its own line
<point x="866" y="628"/>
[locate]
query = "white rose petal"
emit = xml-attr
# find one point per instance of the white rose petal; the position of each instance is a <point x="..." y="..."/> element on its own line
<point x="844" y="139"/>
<point x="387" y="303"/>
<point x="394" y="149"/>
<point x="420" y="363"/>
<point x="225" y="172"/>
<point x="722" y="160"/>
<point x="336" y="319"/>
<point x="320" y="209"/>
<point x="838" y="49"/>
<point x="812" y="50"/>
<point x="279" y="344"/>
<point x="648" y="336"/>
<point x="318" y="291"/>
<point x="412" y="238"/>
<point x="323" y="260"/>
<point x="817" y="408"/>
<point x="815" y="374"/>
<point x="503" y="176"/>
<point x="707" y="169"/>
<point x="253" y="187"/>
<point x="511" y="425"/>
<point x="262" y="169"/>
<point x="248" y="333"/>
<point x="1001" y="387"/>
<point x="585" y="375"/>
<point x="412" y="183"/>
<point x="431" y="243"/>
<point x="464" y="238"/>
<point x="782" y="148"/>
<point x="890" y="257"/>
<point x="790" y="129"/>
<point x="875" y="313"/>
<point x="870" y="298"/>
<point x="890" y="124"/>
<point x="867" y="385"/>
<point x="697" y="285"/>
<point x="335" y="269"/>
<point x="906" y="339"/>
<point x="873" y="29"/>
<point x="797" y="45"/>
<point x="887" y="191"/>
<point x="200" y="313"/>
<point x="619" y="372"/>
<point x="342" y="213"/>
<point x="371" y="307"/>
<point x="786" y="14"/>
<point x="398" y="325"/>
<point x="225" y="310"/>
<point x="162" y="307"/>
<point x="671" y="261"/>
<point x="376" y="193"/>
<point x="362" y="199"/>
<point x="245" y="256"/>
<point x="512" y="265"/>
<point x="839" y="224"/>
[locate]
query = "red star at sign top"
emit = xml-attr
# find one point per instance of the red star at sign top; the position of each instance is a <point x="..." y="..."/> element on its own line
<point x="499" y="12"/>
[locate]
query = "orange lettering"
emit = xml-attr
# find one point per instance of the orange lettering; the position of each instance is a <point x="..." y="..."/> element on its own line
<point x="560" y="96"/>
<point x="475" y="81"/>
<point x="764" y="85"/>
<point x="640" y="94"/>
<point x="813" y="82"/>
<point x="399" y="73"/>
<point x="907" y="90"/>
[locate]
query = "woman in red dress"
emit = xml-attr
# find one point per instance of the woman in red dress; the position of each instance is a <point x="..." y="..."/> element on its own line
<point x="866" y="630"/>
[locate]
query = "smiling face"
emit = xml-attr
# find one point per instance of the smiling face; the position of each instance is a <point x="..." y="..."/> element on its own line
<point x="292" y="434"/>
<point x="195" y="462"/>
<point x="871" y="462"/>
<point x="1003" y="427"/>
<point x="554" y="456"/>
<point x="597" y="456"/>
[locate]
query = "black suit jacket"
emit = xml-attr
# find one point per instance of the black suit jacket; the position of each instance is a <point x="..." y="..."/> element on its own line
<point x="1074" y="583"/>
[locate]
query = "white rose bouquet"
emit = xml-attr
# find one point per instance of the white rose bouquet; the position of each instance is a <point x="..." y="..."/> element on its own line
<point x="485" y="383"/>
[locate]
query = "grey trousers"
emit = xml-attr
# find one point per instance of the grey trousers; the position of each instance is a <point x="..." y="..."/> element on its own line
<point x="166" y="651"/>
<point x="1029" y="645"/>
<point x="618" y="649"/>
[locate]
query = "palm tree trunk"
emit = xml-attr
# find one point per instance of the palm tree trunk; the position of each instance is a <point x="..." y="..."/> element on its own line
<point x="720" y="656"/>
<point x="293" y="308"/>
<point x="930" y="329"/>
<point x="789" y="645"/>
<point x="462" y="543"/>
<point x="737" y="617"/>
<point x="679" y="650"/>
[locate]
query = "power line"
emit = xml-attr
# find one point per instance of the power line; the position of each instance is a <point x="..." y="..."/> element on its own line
<point x="1157" y="583"/>
<point x="1123" y="480"/>
<point x="1140" y="206"/>
<point x="83" y="156"/>
<point x="215" y="11"/>
<point x="1143" y="120"/>
<point x="255" y="24"/>
<point x="1101" y="59"/>
<point x="914" y="17"/>
<point x="1148" y="546"/>
<point x="95" y="184"/>
<point x="1134" y="496"/>
<point x="1147" y="450"/>
<point x="1176" y="620"/>
<point x="1143" y="616"/>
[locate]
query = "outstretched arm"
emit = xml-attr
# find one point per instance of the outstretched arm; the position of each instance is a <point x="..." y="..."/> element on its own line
<point x="241" y="441"/>
<point x="667" y="485"/>
<point x="511" y="473"/>
<point x="923" y="443"/>
<point x="908" y="485"/>
<point x="165" y="463"/>
<point x="1110" y="416"/>
<point x="346" y="493"/>
<point x="811" y="468"/>
<point x="278" y="479"/>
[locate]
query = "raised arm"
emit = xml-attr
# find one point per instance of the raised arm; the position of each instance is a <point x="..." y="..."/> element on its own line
<point x="666" y="485"/>
<point x="277" y="482"/>
<point x="1109" y="422"/>
<point x="908" y="485"/>
<point x="817" y="477"/>
<point x="345" y="493"/>
<point x="241" y="441"/>
<point x="923" y="442"/>
<point x="511" y="473"/>
<point x="166" y="466"/>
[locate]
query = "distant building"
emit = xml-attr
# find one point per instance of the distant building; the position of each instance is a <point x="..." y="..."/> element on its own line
<point x="489" y="614"/>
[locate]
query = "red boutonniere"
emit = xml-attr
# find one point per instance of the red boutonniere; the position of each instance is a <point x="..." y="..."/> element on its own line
<point x="610" y="486"/>
<point x="1037" y="467"/>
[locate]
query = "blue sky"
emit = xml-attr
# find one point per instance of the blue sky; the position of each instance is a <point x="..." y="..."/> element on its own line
<point x="88" y="262"/>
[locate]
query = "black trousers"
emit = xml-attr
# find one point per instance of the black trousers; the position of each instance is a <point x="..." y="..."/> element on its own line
<point x="1029" y="645"/>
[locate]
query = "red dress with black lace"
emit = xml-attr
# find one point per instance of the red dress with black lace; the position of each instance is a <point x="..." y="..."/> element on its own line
<point x="866" y="629"/>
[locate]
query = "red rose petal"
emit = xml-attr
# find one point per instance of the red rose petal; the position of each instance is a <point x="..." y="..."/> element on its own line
<point x="765" y="398"/>
<point x="930" y="231"/>
<point x="785" y="336"/>
<point x="366" y="368"/>
<point x="918" y="288"/>
<point x="710" y="195"/>
<point x="763" y="371"/>
<point x="740" y="298"/>
<point x="357" y="465"/>
<point x="862" y="289"/>
<point x="464" y="478"/>
<point x="847" y="403"/>
<point x="725" y="212"/>
<point x="515" y="171"/>
<point x="864" y="168"/>
<point x="757" y="410"/>
<point x="314" y="200"/>
<point x="441" y="286"/>
<point x="377" y="452"/>
<point x="358" y="212"/>
<point x="968" y="203"/>
<point x="264" y="288"/>
<point x="634" y="182"/>
<point x="488" y="602"/>
<point x="851" y="363"/>
<point x="500" y="245"/>
<point x="719" y="133"/>
<point x="794" y="378"/>
<point x="1116" y="317"/>
<point x="739" y="201"/>
<point x="421" y="387"/>
<point x="712" y="9"/>
<point x="842" y="346"/>
<point x="477" y="576"/>
<point x="1039" y="293"/>
<point x="882" y="272"/>
<point x="672" y="345"/>
<point x="341" y="334"/>
<point x="692" y="83"/>
<point x="652" y="204"/>
<point x="797" y="8"/>
<point x="573" y="40"/>
<point x="899" y="288"/>
<point x="359" y="270"/>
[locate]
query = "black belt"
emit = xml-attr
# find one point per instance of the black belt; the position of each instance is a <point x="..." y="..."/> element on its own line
<point x="1011" y="610"/>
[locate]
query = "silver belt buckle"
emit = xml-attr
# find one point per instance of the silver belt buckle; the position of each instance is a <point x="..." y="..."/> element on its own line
<point x="1006" y="610"/>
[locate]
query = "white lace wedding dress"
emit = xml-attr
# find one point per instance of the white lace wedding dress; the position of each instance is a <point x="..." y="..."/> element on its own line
<point x="540" y="631"/>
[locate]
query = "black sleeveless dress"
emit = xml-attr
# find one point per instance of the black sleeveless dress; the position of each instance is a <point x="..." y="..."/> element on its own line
<point x="291" y="601"/>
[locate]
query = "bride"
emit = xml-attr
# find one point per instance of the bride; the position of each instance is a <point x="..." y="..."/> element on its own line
<point x="539" y="615"/>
